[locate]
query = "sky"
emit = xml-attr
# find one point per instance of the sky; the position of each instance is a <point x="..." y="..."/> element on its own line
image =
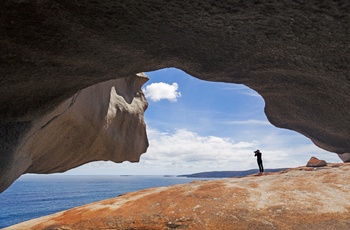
<point x="197" y="126"/>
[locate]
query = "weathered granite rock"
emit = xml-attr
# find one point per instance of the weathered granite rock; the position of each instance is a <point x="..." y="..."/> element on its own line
<point x="101" y="122"/>
<point x="345" y="157"/>
<point x="296" y="199"/>
<point x="294" y="54"/>
<point x="315" y="162"/>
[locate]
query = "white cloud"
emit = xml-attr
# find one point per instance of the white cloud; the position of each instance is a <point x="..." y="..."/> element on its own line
<point x="182" y="151"/>
<point x="160" y="90"/>
<point x="187" y="149"/>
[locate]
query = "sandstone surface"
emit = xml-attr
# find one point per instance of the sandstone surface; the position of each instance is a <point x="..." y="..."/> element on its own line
<point x="101" y="122"/>
<point x="294" y="54"/>
<point x="293" y="199"/>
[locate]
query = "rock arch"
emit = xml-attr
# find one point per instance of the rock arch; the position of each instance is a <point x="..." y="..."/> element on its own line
<point x="296" y="55"/>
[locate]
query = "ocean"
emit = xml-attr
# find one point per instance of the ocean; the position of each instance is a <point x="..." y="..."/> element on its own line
<point x="33" y="196"/>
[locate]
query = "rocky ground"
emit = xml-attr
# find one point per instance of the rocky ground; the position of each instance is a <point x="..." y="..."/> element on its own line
<point x="299" y="198"/>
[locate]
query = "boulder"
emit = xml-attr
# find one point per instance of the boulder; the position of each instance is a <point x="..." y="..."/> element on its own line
<point x="101" y="122"/>
<point x="314" y="162"/>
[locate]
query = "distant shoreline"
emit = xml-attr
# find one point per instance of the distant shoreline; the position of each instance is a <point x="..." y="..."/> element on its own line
<point x="228" y="174"/>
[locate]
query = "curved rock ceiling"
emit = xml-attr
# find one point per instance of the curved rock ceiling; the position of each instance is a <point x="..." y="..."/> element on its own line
<point x="295" y="54"/>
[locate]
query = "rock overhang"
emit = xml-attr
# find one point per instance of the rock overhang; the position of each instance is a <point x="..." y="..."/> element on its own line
<point x="296" y="55"/>
<point x="101" y="122"/>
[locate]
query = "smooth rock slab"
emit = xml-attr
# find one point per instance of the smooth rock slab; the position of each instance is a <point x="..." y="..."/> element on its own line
<point x="296" y="199"/>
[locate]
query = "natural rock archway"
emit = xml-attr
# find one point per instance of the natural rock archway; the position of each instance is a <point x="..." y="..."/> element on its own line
<point x="296" y="55"/>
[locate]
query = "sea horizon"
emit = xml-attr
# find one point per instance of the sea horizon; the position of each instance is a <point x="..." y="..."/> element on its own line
<point x="36" y="195"/>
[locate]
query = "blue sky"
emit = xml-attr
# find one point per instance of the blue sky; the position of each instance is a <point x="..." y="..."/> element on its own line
<point x="195" y="126"/>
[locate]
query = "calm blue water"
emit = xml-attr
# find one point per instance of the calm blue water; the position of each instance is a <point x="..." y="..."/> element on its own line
<point x="33" y="196"/>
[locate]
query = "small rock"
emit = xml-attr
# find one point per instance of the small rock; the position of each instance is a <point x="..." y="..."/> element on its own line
<point x="171" y="225"/>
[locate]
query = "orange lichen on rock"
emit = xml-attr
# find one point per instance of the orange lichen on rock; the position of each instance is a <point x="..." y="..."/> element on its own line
<point x="314" y="162"/>
<point x="295" y="199"/>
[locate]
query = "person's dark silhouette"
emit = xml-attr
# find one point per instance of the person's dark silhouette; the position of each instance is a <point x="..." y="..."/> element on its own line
<point x="259" y="160"/>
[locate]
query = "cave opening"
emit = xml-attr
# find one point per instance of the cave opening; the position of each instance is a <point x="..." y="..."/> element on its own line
<point x="195" y="126"/>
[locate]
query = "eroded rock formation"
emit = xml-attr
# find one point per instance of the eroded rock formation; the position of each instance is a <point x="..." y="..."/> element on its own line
<point x="294" y="54"/>
<point x="101" y="122"/>
<point x="297" y="199"/>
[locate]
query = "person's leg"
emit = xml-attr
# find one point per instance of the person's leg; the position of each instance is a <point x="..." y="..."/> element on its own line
<point x="259" y="164"/>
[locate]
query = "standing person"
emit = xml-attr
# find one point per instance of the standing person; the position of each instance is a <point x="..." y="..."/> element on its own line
<point x="260" y="164"/>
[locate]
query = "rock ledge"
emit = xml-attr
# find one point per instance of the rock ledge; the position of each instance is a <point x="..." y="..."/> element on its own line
<point x="293" y="199"/>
